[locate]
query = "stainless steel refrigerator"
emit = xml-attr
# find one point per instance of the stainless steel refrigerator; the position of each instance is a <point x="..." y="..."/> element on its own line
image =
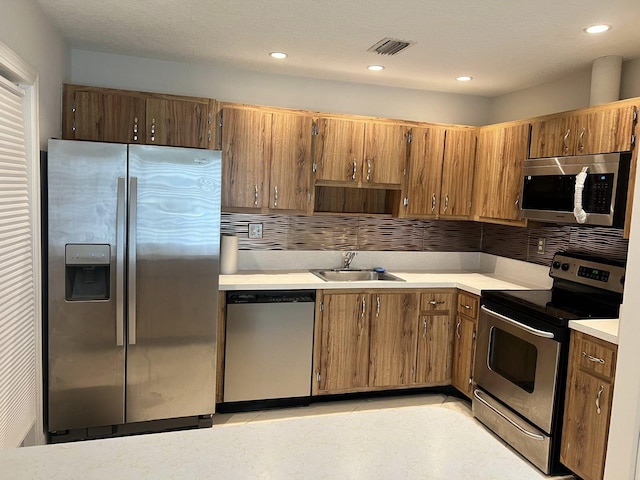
<point x="133" y="249"/>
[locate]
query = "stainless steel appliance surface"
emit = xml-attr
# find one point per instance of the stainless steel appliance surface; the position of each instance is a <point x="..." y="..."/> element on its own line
<point x="133" y="247"/>
<point x="551" y="191"/>
<point x="269" y="346"/>
<point x="522" y="352"/>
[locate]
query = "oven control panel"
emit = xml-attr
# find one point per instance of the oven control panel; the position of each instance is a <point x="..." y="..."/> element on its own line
<point x="588" y="271"/>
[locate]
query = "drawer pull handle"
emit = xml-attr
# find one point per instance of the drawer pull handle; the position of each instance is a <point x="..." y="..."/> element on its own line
<point x="434" y="302"/>
<point x="468" y="307"/>
<point x="593" y="359"/>
<point x="598" y="398"/>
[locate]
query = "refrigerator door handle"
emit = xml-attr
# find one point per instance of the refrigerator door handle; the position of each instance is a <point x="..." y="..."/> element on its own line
<point x="120" y="236"/>
<point x="133" y="223"/>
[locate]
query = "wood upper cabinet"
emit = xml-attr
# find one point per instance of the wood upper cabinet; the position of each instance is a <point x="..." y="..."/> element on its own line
<point x="266" y="159"/>
<point x="464" y="342"/>
<point x="500" y="157"/>
<point x="392" y="354"/>
<point x="352" y="151"/>
<point x="601" y="129"/>
<point x="178" y="122"/>
<point x="457" y="172"/>
<point x="587" y="410"/>
<point x="102" y="115"/>
<point x="424" y="172"/>
<point x="344" y="354"/>
<point x="245" y="157"/>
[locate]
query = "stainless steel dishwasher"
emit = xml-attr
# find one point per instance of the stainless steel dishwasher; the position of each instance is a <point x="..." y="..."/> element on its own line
<point x="269" y="346"/>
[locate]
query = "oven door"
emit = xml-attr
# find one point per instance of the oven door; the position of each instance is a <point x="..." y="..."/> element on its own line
<point x="518" y="364"/>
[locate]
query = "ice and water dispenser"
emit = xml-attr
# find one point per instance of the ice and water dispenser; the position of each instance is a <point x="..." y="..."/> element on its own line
<point x="87" y="275"/>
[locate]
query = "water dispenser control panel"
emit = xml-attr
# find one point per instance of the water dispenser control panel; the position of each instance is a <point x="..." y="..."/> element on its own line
<point x="87" y="254"/>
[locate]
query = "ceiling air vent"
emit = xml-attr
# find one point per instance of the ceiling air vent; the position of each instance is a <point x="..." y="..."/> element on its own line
<point x="389" y="46"/>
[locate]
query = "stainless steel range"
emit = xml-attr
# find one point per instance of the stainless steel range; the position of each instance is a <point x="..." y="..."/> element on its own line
<point x="522" y="348"/>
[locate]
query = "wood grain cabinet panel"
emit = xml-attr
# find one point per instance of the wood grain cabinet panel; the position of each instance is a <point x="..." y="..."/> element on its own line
<point x="339" y="148"/>
<point x="587" y="410"/>
<point x="433" y="364"/>
<point x="463" y="354"/>
<point x="184" y="123"/>
<point x="424" y="172"/>
<point x="457" y="172"/>
<point x="392" y="353"/>
<point x="500" y="158"/>
<point x="551" y="137"/>
<point x="385" y="153"/>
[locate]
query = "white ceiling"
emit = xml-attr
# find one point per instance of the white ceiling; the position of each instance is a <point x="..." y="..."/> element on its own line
<point x="506" y="45"/>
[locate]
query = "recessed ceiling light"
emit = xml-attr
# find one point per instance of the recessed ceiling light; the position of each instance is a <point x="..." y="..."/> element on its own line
<point x="278" y="55"/>
<point x="597" y="28"/>
<point x="464" y="78"/>
<point x="376" y="68"/>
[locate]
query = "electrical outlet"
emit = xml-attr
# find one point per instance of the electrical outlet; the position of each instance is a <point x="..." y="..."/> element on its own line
<point x="255" y="230"/>
<point x="541" y="245"/>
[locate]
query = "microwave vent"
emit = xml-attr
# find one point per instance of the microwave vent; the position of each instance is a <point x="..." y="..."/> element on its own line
<point x="389" y="46"/>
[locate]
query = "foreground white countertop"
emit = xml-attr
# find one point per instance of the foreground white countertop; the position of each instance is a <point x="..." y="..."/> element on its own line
<point x="471" y="282"/>
<point x="606" y="330"/>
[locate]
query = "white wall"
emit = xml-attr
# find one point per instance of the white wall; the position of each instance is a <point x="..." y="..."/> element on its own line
<point x="567" y="93"/>
<point x="231" y="85"/>
<point x="25" y="29"/>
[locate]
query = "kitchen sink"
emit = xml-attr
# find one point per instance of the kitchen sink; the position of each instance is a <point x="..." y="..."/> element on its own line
<point x="349" y="275"/>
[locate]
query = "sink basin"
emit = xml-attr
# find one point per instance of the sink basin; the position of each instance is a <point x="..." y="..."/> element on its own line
<point x="348" y="275"/>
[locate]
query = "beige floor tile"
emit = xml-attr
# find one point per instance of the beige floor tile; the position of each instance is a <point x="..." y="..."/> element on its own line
<point x="458" y="405"/>
<point x="402" y="401"/>
<point x="315" y="409"/>
<point x="234" y="418"/>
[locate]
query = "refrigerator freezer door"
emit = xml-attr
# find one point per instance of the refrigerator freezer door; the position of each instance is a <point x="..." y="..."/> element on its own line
<point x="86" y="359"/>
<point x="173" y="282"/>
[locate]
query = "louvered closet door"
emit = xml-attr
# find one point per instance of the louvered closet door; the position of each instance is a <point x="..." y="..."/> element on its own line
<point x="17" y="302"/>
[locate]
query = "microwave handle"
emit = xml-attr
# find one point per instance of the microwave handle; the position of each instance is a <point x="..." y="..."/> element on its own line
<point x="527" y="328"/>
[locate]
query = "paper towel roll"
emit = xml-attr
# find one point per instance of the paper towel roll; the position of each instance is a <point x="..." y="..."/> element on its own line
<point x="228" y="254"/>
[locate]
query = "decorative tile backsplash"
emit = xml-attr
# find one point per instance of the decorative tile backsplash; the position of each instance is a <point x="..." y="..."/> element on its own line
<point x="284" y="232"/>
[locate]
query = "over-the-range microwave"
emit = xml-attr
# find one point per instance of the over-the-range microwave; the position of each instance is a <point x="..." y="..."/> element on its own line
<point x="583" y="189"/>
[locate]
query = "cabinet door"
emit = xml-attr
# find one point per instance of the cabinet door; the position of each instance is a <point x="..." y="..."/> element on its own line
<point x="339" y="147"/>
<point x="385" y="153"/>
<point x="463" y="350"/>
<point x="290" y="171"/>
<point x="393" y="339"/>
<point x="604" y="131"/>
<point x="178" y="123"/>
<point x="585" y="430"/>
<point x="103" y="117"/>
<point x="457" y="172"/>
<point x="552" y="138"/>
<point x="424" y="175"/>
<point x="344" y="356"/>
<point x="245" y="157"/>
<point x="500" y="159"/>
<point x="433" y="364"/>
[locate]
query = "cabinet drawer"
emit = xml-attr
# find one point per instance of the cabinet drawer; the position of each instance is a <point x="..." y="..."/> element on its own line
<point x="595" y="356"/>
<point x="468" y="305"/>
<point x="435" y="302"/>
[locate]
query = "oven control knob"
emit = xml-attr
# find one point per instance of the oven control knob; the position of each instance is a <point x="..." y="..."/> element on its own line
<point x="565" y="267"/>
<point x="556" y="264"/>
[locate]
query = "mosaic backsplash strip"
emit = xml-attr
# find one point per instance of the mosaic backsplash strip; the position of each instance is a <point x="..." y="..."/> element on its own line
<point x="283" y="232"/>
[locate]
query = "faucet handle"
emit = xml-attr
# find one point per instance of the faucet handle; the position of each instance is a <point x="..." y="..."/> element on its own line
<point x="348" y="258"/>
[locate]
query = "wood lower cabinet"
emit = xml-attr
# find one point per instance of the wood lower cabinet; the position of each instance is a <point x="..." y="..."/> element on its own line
<point x="587" y="410"/>
<point x="464" y="342"/>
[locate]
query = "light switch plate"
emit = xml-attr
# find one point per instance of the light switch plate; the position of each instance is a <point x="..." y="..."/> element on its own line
<point x="255" y="230"/>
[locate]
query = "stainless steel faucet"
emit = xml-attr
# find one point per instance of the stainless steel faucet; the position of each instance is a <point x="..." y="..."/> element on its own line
<point x="348" y="258"/>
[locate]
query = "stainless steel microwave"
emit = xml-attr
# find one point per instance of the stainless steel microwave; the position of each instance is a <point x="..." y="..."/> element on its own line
<point x="553" y="191"/>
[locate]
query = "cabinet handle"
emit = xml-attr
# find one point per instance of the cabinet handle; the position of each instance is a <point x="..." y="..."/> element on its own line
<point x="458" y="329"/>
<point x="406" y="202"/>
<point x="598" y="399"/>
<point x="424" y="328"/>
<point x="275" y="196"/>
<point x="468" y="307"/>
<point x="377" y="306"/>
<point x="433" y="203"/>
<point x="517" y="202"/>
<point x="153" y="129"/>
<point x="135" y="129"/>
<point x="255" y="196"/>
<point x="434" y="302"/>
<point x="580" y="144"/>
<point x="446" y="203"/>
<point x="593" y="359"/>
<point x="363" y="307"/>
<point x="368" y="170"/>
<point x="355" y="169"/>
<point x="209" y="136"/>
<point x="565" y="143"/>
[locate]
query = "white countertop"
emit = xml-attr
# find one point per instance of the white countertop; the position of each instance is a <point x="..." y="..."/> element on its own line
<point x="606" y="330"/>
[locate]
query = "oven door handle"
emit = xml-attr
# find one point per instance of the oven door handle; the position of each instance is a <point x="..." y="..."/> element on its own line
<point x="532" y="331"/>
<point x="476" y="393"/>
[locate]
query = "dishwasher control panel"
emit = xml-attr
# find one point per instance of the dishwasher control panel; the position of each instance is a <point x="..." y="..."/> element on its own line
<point x="284" y="296"/>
